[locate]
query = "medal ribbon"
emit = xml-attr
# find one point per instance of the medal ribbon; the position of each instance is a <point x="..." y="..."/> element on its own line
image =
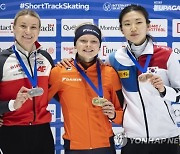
<point x="32" y="79"/>
<point x="143" y="70"/>
<point x="98" y="91"/>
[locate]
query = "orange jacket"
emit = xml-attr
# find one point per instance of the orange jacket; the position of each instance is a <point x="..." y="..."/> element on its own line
<point x="85" y="124"/>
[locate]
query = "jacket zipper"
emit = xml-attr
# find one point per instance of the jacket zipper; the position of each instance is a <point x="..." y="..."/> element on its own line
<point x="85" y="84"/>
<point x="89" y="130"/>
<point x="34" y="107"/>
<point x="143" y="107"/>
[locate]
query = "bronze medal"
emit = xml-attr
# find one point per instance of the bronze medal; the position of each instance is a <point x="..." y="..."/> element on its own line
<point x="144" y="77"/>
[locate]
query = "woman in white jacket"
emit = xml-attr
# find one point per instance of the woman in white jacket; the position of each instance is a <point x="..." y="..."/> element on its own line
<point x="150" y="84"/>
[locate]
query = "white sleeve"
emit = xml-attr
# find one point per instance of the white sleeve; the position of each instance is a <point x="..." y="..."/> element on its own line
<point x="173" y="72"/>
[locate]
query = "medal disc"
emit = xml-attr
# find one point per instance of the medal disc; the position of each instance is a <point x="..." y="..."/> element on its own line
<point x="98" y="101"/>
<point x="144" y="77"/>
<point x="36" y="92"/>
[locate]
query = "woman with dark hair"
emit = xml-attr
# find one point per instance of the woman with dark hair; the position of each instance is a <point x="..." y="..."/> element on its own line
<point x="150" y="83"/>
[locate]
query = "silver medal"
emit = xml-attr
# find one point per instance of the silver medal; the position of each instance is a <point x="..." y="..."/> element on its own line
<point x="36" y="92"/>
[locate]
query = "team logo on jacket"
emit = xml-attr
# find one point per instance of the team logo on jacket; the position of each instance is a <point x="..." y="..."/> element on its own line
<point x="71" y="79"/>
<point x="123" y="74"/>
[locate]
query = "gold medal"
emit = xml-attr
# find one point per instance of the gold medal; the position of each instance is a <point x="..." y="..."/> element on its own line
<point x="98" y="101"/>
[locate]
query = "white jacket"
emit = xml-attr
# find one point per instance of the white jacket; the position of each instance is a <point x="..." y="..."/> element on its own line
<point x="146" y="113"/>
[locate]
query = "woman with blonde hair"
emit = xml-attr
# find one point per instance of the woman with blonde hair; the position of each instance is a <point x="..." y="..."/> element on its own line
<point x="23" y="90"/>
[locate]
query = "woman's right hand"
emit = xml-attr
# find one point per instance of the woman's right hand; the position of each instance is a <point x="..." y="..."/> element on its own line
<point x="22" y="97"/>
<point x="65" y="62"/>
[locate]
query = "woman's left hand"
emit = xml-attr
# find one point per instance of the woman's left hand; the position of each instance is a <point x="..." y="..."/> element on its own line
<point x="108" y="109"/>
<point x="157" y="82"/>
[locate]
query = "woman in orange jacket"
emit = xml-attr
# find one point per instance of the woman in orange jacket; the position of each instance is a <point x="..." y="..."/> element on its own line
<point x="90" y="96"/>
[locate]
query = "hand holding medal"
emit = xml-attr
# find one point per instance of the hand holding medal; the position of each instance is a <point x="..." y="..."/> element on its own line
<point x="98" y="101"/>
<point x="21" y="98"/>
<point x="108" y="109"/>
<point x="35" y="92"/>
<point x="144" y="77"/>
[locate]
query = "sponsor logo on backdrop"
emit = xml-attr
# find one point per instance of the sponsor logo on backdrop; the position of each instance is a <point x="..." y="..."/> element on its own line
<point x="110" y="27"/>
<point x="68" y="25"/>
<point x="176" y="28"/>
<point x="176" y="47"/>
<point x="6" y="27"/>
<point x="67" y="50"/>
<point x="2" y="6"/>
<point x="52" y="109"/>
<point x="158" y="27"/>
<point x="177" y="50"/>
<point x="48" y="28"/>
<point x="50" y="47"/>
<point x="159" y="6"/>
<point x="55" y="6"/>
<point x="109" y="47"/>
<point x="106" y="51"/>
<point x="108" y="6"/>
<point x="68" y="28"/>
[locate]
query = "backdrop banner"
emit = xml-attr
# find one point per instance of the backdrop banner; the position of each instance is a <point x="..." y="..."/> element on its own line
<point x="60" y="18"/>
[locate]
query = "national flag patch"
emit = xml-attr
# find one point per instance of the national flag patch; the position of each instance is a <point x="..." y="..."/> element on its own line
<point x="152" y="70"/>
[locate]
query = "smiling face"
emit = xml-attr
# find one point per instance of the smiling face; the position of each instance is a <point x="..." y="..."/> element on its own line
<point x="26" y="31"/>
<point x="134" y="27"/>
<point x="87" y="47"/>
